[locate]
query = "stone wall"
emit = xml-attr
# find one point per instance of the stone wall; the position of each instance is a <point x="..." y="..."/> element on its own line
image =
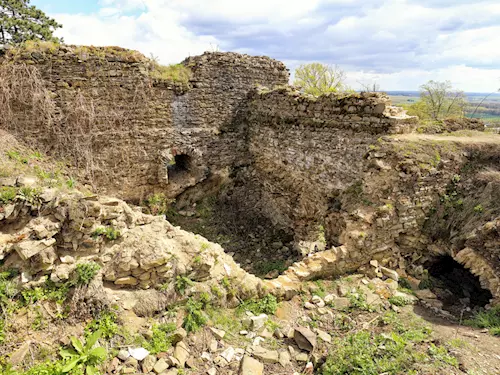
<point x="109" y="117"/>
<point x="307" y="150"/>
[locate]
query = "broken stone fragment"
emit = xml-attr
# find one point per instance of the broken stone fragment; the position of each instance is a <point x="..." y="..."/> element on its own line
<point x="129" y="280"/>
<point x="160" y="366"/>
<point x="148" y="364"/>
<point x="389" y="273"/>
<point x="181" y="353"/>
<point x="250" y="366"/>
<point x="265" y="355"/>
<point x="305" y="338"/>
<point x="28" y="249"/>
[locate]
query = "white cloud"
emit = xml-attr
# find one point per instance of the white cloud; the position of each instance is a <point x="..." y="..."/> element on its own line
<point x="399" y="43"/>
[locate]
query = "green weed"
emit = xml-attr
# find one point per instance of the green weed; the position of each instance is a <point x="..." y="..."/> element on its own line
<point x="108" y="232"/>
<point x="161" y="340"/>
<point x="182" y="283"/>
<point x="265" y="305"/>
<point x="86" y="272"/>
<point x="489" y="319"/>
<point x="7" y="194"/>
<point x="195" y="318"/>
<point x="105" y="322"/>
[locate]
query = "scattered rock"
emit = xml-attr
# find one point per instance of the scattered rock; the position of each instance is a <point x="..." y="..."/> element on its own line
<point x="181" y="353"/>
<point x="18" y="356"/>
<point x="284" y="358"/>
<point x="318" y="301"/>
<point x="228" y="354"/>
<point x="160" y="366"/>
<point x="342" y="303"/>
<point x="309" y="306"/>
<point x="213" y="345"/>
<point x="218" y="333"/>
<point x="250" y="366"/>
<point x="305" y="338"/>
<point x="178" y="335"/>
<point x="138" y="353"/>
<point x="302" y="357"/>
<point x="391" y="274"/>
<point x="324" y="336"/>
<point x="257" y="322"/>
<point x="265" y="355"/>
<point x="212" y="371"/>
<point x="425" y="294"/>
<point x="148" y="364"/>
<point x="123" y="355"/>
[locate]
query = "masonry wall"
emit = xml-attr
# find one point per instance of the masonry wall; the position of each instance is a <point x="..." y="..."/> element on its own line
<point x="111" y="119"/>
<point x="306" y="151"/>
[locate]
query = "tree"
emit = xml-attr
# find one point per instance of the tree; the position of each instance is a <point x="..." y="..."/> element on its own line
<point x="439" y="100"/>
<point x="317" y="78"/>
<point x="20" y="22"/>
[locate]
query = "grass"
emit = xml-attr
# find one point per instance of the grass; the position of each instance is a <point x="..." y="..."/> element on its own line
<point x="265" y="305"/>
<point x="108" y="232"/>
<point x="176" y="72"/>
<point x="161" y="339"/>
<point x="398" y="352"/>
<point x="489" y="319"/>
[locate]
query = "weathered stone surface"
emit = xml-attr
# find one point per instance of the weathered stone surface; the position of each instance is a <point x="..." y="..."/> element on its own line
<point x="181" y="353"/>
<point x="305" y="338"/>
<point x="250" y="366"/>
<point x="265" y="355"/>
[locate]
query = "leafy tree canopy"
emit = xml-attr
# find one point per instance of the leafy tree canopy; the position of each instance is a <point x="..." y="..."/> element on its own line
<point x="317" y="78"/>
<point x="20" y="21"/>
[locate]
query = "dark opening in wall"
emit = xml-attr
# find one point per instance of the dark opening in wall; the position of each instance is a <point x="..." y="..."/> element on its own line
<point x="456" y="286"/>
<point x="180" y="165"/>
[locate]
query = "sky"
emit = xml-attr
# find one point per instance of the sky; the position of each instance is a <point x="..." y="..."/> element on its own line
<point x="398" y="44"/>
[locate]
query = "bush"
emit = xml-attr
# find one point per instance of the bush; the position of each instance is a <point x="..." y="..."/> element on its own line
<point x="109" y="232"/>
<point x="105" y="322"/>
<point x="85" y="272"/>
<point x="398" y="301"/>
<point x="489" y="319"/>
<point x="161" y="340"/>
<point x="157" y="204"/>
<point x="266" y="305"/>
<point x="195" y="318"/>
<point x="182" y="283"/>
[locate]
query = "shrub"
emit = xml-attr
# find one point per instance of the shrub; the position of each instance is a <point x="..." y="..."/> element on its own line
<point x="157" y="204"/>
<point x="365" y="353"/>
<point x="85" y="272"/>
<point x="161" y="340"/>
<point x="195" y="318"/>
<point x="105" y="322"/>
<point x="265" y="305"/>
<point x="109" y="232"/>
<point x="479" y="209"/>
<point x="398" y="301"/>
<point x="489" y="319"/>
<point x="182" y="283"/>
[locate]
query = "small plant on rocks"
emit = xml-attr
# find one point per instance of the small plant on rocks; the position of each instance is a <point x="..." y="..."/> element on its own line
<point x="195" y="318"/>
<point x="265" y="305"/>
<point x="85" y="272"/>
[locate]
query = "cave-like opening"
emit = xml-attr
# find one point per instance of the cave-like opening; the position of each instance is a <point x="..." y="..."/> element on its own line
<point x="180" y="165"/>
<point x="455" y="286"/>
